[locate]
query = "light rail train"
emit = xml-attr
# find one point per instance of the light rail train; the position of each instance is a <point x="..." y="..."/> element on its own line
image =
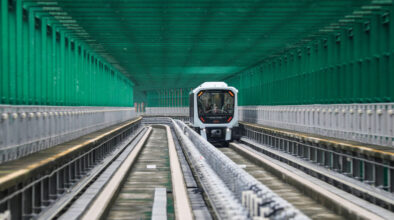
<point x="214" y="112"/>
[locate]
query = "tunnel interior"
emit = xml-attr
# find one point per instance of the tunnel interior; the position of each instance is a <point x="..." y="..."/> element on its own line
<point x="115" y="53"/>
<point x="305" y="82"/>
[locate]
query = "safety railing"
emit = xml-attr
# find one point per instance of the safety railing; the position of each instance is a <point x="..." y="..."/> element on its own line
<point x="28" y="129"/>
<point x="25" y="196"/>
<point x="367" y="123"/>
<point x="166" y="111"/>
<point x="162" y="120"/>
<point x="259" y="200"/>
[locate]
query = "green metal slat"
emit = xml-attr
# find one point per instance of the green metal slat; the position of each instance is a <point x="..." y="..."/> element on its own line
<point x="5" y="52"/>
<point x="38" y="67"/>
<point x="90" y="76"/>
<point x="12" y="56"/>
<point x="62" y="74"/>
<point x="56" y="62"/>
<point x="76" y="72"/>
<point x="74" y="63"/>
<point x="82" y="76"/>
<point x="85" y="79"/>
<point x="68" y="73"/>
<point x="19" y="53"/>
<point x="32" y="78"/>
<point x="391" y="56"/>
<point x="98" y="78"/>
<point x="25" y="64"/>
<point x="65" y="70"/>
<point x="87" y="76"/>
<point x="53" y="71"/>
<point x="2" y="94"/>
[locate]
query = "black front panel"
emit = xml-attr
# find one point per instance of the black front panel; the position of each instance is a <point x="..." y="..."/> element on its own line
<point x="216" y="134"/>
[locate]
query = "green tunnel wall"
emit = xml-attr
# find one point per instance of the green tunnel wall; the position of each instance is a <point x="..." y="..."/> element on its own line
<point x="177" y="97"/>
<point x="43" y="64"/>
<point x="351" y="64"/>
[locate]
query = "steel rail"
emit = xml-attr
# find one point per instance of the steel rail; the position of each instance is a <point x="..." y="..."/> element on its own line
<point x="53" y="176"/>
<point x="63" y="203"/>
<point x="97" y="209"/>
<point x="182" y="205"/>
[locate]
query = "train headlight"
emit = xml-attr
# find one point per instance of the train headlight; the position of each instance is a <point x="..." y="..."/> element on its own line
<point x="228" y="130"/>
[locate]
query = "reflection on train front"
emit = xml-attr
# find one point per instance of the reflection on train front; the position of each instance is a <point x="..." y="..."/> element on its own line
<point x="215" y="106"/>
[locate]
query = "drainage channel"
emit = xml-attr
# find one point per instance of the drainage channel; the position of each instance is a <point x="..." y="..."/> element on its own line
<point x="304" y="203"/>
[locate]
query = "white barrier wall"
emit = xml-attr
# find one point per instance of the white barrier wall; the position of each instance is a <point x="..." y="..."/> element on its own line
<point x="166" y="111"/>
<point x="367" y="123"/>
<point x="28" y="129"/>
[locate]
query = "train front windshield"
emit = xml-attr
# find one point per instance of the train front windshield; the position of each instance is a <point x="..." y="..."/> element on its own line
<point x="215" y="106"/>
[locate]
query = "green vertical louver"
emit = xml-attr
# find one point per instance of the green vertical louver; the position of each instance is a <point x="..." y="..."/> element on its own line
<point x="350" y="63"/>
<point x="44" y="63"/>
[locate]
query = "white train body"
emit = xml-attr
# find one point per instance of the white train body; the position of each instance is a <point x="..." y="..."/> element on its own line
<point x="214" y="111"/>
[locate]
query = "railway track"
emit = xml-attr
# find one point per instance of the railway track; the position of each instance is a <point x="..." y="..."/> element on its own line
<point x="165" y="169"/>
<point x="144" y="185"/>
<point x="304" y="190"/>
<point x="304" y="203"/>
<point x="151" y="171"/>
<point x="315" y="198"/>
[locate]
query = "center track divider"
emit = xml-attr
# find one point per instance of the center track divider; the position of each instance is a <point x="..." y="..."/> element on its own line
<point x="230" y="190"/>
<point x="221" y="200"/>
<point x="103" y="200"/>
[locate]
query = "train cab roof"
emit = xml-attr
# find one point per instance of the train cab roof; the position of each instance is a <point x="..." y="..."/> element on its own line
<point x="213" y="85"/>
